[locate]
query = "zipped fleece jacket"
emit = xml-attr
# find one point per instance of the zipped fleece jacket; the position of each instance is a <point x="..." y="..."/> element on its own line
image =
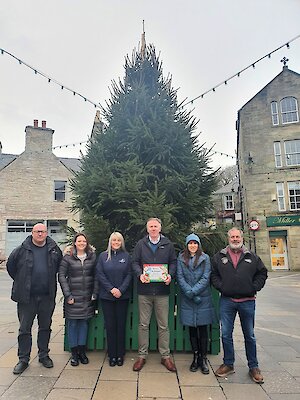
<point x="115" y="272"/>
<point x="19" y="267"/>
<point x="143" y="254"/>
<point x="243" y="281"/>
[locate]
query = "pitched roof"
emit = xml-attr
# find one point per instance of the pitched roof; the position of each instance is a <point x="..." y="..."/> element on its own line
<point x="73" y="164"/>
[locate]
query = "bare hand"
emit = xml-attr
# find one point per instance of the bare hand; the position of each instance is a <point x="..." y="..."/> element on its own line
<point x="71" y="301"/>
<point x="144" y="278"/>
<point x="168" y="279"/>
<point x="116" y="292"/>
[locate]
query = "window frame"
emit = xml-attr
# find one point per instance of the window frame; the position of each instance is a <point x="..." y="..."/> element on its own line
<point x="280" y="196"/>
<point x="59" y="191"/>
<point x="290" y="154"/>
<point x="288" y="102"/>
<point x="277" y="154"/>
<point x="274" y="113"/>
<point x="295" y="195"/>
<point x="227" y="201"/>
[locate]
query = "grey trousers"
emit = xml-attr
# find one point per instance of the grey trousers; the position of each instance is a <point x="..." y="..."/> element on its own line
<point x="161" y="308"/>
<point x="41" y="307"/>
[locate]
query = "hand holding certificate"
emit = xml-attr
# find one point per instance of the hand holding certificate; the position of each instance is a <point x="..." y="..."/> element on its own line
<point x="155" y="272"/>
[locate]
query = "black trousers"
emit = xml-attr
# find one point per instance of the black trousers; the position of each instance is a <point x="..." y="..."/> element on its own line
<point x="41" y="307"/>
<point x="115" y="316"/>
<point x="199" y="339"/>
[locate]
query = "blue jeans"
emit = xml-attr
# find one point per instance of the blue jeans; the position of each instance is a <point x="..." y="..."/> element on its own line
<point x="77" y="332"/>
<point x="246" y="311"/>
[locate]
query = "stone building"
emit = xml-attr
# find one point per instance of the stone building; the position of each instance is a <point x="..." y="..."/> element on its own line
<point x="268" y="144"/>
<point x="35" y="188"/>
<point x="226" y="204"/>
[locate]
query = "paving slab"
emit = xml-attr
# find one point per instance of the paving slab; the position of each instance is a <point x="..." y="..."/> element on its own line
<point x="281" y="382"/>
<point x="203" y="393"/>
<point x="124" y="373"/>
<point x="284" y="396"/>
<point x="158" y="385"/>
<point x="70" y="394"/>
<point x="6" y="376"/>
<point x="9" y="359"/>
<point x="282" y="353"/>
<point x="115" y="390"/>
<point x="188" y="378"/>
<point x="72" y="379"/>
<point x="238" y="391"/>
<point x="28" y="388"/>
<point x="292" y="368"/>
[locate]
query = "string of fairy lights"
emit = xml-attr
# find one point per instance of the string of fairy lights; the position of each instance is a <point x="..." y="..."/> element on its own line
<point x="184" y="104"/>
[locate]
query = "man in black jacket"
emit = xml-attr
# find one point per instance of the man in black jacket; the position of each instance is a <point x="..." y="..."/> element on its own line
<point x="154" y="253"/>
<point x="33" y="267"/>
<point x="238" y="274"/>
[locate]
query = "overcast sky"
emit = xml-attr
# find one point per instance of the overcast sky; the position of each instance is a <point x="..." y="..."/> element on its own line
<point x="82" y="44"/>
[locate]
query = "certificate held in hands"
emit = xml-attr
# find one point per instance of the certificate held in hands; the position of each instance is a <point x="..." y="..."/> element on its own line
<point x="156" y="272"/>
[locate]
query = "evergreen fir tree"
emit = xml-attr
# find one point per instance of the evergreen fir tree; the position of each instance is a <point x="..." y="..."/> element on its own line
<point x="147" y="161"/>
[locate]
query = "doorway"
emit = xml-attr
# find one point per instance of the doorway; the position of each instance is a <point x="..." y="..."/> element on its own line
<point x="278" y="247"/>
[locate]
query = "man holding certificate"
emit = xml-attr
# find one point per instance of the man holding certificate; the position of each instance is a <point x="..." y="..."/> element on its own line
<point x="154" y="264"/>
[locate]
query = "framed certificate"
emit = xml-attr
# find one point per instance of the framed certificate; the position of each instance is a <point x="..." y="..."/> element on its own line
<point x="156" y="272"/>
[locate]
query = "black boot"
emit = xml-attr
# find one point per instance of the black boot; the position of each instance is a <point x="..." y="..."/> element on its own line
<point x="74" y="358"/>
<point x="202" y="359"/>
<point x="202" y="363"/>
<point x="82" y="356"/>
<point x="194" y="366"/>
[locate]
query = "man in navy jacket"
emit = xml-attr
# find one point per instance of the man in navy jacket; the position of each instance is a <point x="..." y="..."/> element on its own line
<point x="154" y="250"/>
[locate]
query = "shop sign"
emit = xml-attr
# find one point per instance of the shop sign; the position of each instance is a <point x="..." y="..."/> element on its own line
<point x="283" y="220"/>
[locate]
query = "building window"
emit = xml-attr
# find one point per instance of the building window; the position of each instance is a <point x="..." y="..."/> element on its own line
<point x="228" y="202"/>
<point x="274" y="113"/>
<point x="277" y="154"/>
<point x="20" y="226"/>
<point x="289" y="110"/>
<point x="294" y="195"/>
<point x="292" y="152"/>
<point x="280" y="196"/>
<point x="60" y="190"/>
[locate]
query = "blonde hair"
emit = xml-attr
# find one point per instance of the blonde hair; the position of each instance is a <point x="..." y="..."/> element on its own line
<point x="119" y="236"/>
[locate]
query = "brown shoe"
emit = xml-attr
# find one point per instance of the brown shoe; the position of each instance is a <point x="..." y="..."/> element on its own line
<point x="138" y="365"/>
<point x="168" y="363"/>
<point x="224" y="370"/>
<point x="256" y="375"/>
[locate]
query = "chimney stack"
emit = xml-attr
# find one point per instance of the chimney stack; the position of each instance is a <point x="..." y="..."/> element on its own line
<point x="36" y="123"/>
<point x="44" y="124"/>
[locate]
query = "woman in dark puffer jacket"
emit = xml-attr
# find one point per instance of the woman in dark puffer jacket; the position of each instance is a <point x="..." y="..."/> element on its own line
<point x="79" y="286"/>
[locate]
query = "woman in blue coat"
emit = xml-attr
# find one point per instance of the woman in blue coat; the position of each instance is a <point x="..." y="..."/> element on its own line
<point x="114" y="276"/>
<point x="196" y="308"/>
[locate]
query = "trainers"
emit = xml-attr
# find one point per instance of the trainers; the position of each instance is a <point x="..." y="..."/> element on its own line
<point x="256" y="375"/>
<point x="224" y="370"/>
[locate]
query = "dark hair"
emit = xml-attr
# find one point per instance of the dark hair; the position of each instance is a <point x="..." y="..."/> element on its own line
<point x="187" y="255"/>
<point x="88" y="248"/>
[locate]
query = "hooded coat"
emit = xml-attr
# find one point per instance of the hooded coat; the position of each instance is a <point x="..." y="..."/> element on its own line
<point x="78" y="282"/>
<point x="196" y="307"/>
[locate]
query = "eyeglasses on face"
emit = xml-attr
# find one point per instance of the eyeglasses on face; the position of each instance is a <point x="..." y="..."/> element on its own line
<point x="39" y="231"/>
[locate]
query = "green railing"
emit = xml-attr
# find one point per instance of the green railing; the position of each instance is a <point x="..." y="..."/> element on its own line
<point x="179" y="334"/>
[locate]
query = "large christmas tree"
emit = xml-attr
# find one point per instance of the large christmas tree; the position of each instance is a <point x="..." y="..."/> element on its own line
<point x="147" y="161"/>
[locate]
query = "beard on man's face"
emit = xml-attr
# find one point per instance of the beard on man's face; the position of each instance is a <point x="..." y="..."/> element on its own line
<point x="236" y="246"/>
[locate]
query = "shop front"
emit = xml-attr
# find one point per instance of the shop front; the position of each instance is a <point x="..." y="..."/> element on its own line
<point x="280" y="228"/>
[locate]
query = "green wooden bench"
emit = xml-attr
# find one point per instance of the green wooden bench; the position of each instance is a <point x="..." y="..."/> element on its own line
<point x="179" y="334"/>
